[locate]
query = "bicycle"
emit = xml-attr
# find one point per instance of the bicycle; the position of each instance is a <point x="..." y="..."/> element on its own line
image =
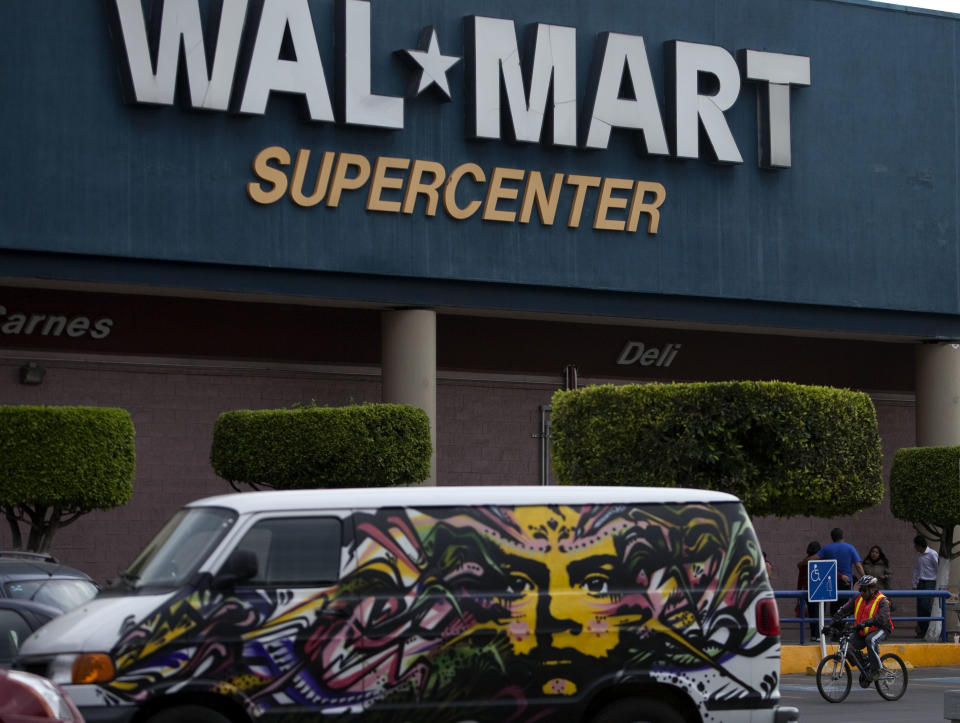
<point x="834" y="677"/>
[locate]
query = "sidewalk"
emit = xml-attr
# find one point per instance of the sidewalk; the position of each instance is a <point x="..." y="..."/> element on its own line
<point x="804" y="658"/>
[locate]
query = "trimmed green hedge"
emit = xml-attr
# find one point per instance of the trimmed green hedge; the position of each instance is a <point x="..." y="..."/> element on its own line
<point x="784" y="449"/>
<point x="357" y="446"/>
<point x="73" y="458"/>
<point x="925" y="485"/>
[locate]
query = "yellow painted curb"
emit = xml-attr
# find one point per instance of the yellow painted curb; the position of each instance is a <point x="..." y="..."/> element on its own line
<point x="805" y="658"/>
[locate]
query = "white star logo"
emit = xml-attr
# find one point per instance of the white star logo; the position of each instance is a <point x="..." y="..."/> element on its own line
<point x="433" y="66"/>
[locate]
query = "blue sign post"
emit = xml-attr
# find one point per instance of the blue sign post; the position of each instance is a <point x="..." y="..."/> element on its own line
<point x="821" y="588"/>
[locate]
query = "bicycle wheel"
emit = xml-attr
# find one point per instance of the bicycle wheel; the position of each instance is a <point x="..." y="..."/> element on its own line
<point x="892" y="683"/>
<point x="834" y="678"/>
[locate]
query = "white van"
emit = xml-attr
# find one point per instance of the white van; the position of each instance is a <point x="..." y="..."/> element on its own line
<point x="594" y="604"/>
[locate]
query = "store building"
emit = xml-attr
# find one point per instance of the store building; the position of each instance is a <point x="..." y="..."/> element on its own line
<point x="212" y="205"/>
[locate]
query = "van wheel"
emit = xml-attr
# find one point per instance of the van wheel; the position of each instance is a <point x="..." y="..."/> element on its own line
<point x="188" y="714"/>
<point x="638" y="710"/>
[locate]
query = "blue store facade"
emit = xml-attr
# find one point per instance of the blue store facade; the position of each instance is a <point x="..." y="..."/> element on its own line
<point x="215" y="204"/>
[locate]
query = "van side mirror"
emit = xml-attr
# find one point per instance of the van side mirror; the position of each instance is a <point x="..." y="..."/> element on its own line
<point x="239" y="567"/>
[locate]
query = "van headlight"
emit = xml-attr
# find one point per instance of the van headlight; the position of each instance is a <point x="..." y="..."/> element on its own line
<point x="60" y="669"/>
<point x="82" y="669"/>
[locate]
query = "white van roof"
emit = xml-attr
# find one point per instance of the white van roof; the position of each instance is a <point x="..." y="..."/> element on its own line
<point x="376" y="497"/>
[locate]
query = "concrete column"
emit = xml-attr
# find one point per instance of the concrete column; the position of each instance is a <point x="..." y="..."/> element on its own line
<point x="938" y="394"/>
<point x="938" y="416"/>
<point x="408" y="340"/>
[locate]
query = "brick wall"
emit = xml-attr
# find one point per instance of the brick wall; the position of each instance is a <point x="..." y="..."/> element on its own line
<point x="486" y="434"/>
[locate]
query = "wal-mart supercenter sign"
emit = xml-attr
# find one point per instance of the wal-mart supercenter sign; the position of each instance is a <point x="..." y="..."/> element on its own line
<point x="714" y="148"/>
<point x="537" y="103"/>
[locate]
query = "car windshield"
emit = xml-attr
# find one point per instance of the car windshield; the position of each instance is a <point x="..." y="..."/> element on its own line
<point x="179" y="548"/>
<point x="60" y="593"/>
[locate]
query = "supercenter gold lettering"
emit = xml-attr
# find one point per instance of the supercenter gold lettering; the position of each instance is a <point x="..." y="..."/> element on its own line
<point x="393" y="185"/>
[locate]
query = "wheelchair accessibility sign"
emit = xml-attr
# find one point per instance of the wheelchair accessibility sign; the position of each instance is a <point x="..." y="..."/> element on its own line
<point x="821" y="580"/>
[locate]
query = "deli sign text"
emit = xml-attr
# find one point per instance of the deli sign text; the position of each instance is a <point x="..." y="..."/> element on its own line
<point x="527" y="97"/>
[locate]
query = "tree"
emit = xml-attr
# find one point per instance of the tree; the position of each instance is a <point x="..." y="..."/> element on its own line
<point x="363" y="445"/>
<point x="59" y="463"/>
<point x="925" y="490"/>
<point x="784" y="449"/>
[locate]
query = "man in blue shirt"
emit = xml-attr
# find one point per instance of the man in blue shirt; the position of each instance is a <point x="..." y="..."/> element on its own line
<point x="924" y="578"/>
<point x="848" y="563"/>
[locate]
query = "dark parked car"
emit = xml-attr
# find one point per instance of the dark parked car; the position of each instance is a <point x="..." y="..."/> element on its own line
<point x="19" y="618"/>
<point x="41" y="578"/>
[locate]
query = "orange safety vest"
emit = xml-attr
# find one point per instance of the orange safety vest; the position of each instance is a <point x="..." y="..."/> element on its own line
<point x="863" y="612"/>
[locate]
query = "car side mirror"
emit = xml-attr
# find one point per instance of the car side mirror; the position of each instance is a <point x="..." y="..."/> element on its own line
<point x="239" y="567"/>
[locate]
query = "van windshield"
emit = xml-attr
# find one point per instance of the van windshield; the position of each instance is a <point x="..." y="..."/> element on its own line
<point x="178" y="549"/>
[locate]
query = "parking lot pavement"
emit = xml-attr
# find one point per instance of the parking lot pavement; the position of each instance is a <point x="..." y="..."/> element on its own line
<point x="922" y="703"/>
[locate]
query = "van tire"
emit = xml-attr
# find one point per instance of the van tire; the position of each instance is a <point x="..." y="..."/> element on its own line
<point x="188" y="714"/>
<point x="639" y="710"/>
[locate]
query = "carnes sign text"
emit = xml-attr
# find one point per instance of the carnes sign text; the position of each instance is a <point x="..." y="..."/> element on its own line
<point x="533" y="101"/>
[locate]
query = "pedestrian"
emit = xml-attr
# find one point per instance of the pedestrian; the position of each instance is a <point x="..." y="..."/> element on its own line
<point x="924" y="578"/>
<point x="877" y="565"/>
<point x="848" y="563"/>
<point x="803" y="605"/>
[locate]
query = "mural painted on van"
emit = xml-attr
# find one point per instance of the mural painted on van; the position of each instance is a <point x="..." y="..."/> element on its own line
<point x="448" y="609"/>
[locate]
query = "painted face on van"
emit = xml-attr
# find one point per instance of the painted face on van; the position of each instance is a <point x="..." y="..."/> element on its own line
<point x="582" y="585"/>
<point x="556" y="578"/>
<point x="561" y="583"/>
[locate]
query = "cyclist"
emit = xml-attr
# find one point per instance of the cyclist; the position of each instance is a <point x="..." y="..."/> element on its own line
<point x="871" y="611"/>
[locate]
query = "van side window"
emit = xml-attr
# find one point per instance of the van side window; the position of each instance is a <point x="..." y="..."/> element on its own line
<point x="296" y="551"/>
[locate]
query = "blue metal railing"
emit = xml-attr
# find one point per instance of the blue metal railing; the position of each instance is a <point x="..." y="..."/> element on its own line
<point x="805" y="619"/>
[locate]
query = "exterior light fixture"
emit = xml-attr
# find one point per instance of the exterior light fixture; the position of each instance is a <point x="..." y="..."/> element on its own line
<point x="32" y="373"/>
